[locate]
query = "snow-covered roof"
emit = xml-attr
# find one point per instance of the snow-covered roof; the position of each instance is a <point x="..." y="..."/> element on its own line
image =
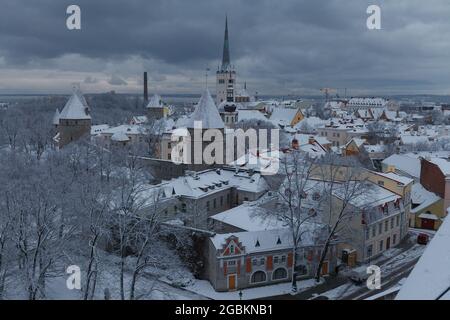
<point x="155" y="102"/>
<point x="139" y="120"/>
<point x="422" y="198"/>
<point x="120" y="136"/>
<point x="430" y="278"/>
<point x="283" y="115"/>
<point x="408" y="165"/>
<point x="312" y="122"/>
<point x="206" y="112"/>
<point x="271" y="240"/>
<point x="395" y="177"/>
<point x="429" y="216"/>
<point x="372" y="196"/>
<point x="126" y="128"/>
<point x="375" y="148"/>
<point x="264" y="161"/>
<point x="357" y="141"/>
<point x="76" y="108"/>
<point x="251" y="115"/>
<point x="206" y="182"/>
<point x="99" y="128"/>
<point x="249" y="217"/>
<point x="443" y="164"/>
<point x="367" y="102"/>
<point x="258" y="241"/>
<point x="55" y="119"/>
<point x="410" y="139"/>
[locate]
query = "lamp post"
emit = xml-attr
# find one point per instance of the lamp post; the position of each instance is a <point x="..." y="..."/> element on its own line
<point x="240" y="294"/>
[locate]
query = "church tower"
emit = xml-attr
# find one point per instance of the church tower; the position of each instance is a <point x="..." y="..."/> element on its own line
<point x="225" y="76"/>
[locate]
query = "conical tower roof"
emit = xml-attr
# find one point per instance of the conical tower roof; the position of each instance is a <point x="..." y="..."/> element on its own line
<point x="226" y="49"/>
<point x="206" y="112"/>
<point x="155" y="102"/>
<point x="76" y="108"/>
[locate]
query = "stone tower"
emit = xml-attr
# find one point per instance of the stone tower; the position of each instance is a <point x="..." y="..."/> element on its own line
<point x="74" y="121"/>
<point x="155" y="108"/>
<point x="207" y="116"/>
<point x="225" y="76"/>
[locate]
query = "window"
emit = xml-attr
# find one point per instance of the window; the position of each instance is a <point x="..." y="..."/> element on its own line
<point x="301" y="270"/>
<point x="207" y="205"/>
<point x="392" y="223"/>
<point x="283" y="259"/>
<point x="386" y="225"/>
<point x="279" y="274"/>
<point x="374" y="231"/>
<point x="394" y="239"/>
<point x="232" y="249"/>
<point x="255" y="262"/>
<point x="397" y="222"/>
<point x="261" y="261"/>
<point x="232" y="262"/>
<point x="276" y="259"/>
<point x="258" y="276"/>
<point x="228" y="198"/>
<point x="369" y="251"/>
<point x="381" y="245"/>
<point x="214" y="203"/>
<point x="380" y="228"/>
<point x="221" y="200"/>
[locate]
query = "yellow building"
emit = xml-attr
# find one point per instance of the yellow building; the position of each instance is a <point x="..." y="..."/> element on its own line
<point x="427" y="208"/>
<point x="398" y="184"/>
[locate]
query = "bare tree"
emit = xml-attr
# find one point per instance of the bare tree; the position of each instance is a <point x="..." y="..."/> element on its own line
<point x="295" y="210"/>
<point x="342" y="179"/>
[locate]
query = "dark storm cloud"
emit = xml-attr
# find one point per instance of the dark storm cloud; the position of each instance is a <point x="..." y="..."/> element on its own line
<point x="286" y="46"/>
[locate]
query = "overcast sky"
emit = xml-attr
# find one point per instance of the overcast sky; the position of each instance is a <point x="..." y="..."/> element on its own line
<point x="277" y="47"/>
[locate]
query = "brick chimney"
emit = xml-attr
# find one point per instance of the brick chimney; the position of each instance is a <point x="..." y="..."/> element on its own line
<point x="145" y="88"/>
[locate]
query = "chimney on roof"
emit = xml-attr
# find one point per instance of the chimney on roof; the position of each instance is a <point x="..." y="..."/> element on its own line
<point x="145" y="88"/>
<point x="311" y="140"/>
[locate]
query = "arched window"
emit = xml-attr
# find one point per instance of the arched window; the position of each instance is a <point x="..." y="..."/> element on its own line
<point x="279" y="273"/>
<point x="258" y="276"/>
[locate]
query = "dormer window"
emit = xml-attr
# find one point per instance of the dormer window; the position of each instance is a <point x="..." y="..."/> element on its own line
<point x="257" y="244"/>
<point x="279" y="240"/>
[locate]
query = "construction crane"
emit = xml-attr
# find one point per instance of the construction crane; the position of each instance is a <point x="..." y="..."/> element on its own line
<point x="327" y="92"/>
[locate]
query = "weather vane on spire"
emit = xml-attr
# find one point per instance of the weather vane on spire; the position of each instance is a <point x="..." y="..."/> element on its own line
<point x="206" y="77"/>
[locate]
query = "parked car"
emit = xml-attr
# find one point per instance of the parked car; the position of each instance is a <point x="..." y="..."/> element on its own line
<point x="423" y="238"/>
<point x="359" y="276"/>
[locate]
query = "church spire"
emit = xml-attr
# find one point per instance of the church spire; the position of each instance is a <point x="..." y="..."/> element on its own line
<point x="226" y="48"/>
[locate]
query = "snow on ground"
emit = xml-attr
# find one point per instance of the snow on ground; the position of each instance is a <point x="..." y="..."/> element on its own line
<point x="203" y="287"/>
<point x="397" y="259"/>
<point x="148" y="286"/>
<point x="341" y="291"/>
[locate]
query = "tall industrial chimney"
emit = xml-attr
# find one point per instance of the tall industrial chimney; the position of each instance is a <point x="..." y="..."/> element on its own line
<point x="145" y="88"/>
